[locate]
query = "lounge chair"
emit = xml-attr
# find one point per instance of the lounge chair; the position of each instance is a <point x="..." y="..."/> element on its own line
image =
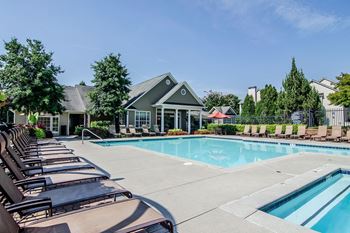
<point x="245" y="131"/>
<point x="287" y="133"/>
<point x="132" y="130"/>
<point x="278" y="131"/>
<point x="131" y="215"/>
<point x="157" y="131"/>
<point x="59" y="198"/>
<point x="301" y="134"/>
<point x="321" y="133"/>
<point x="336" y="133"/>
<point x="123" y="131"/>
<point x="146" y="132"/>
<point x="37" y="142"/>
<point x="262" y="131"/>
<point x="346" y="137"/>
<point x="254" y="130"/>
<point x="49" y="180"/>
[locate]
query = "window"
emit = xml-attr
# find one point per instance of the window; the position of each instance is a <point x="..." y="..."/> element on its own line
<point x="142" y="118"/>
<point x="50" y="123"/>
<point x="183" y="92"/>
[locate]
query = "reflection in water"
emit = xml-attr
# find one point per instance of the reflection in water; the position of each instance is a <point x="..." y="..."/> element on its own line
<point x="223" y="152"/>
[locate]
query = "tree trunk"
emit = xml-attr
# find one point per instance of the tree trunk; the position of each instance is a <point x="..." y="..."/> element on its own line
<point x="117" y="123"/>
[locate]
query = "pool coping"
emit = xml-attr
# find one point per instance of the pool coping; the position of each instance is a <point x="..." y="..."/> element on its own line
<point x="249" y="207"/>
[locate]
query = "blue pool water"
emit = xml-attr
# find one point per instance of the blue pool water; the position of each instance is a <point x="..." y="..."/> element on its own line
<point x="323" y="207"/>
<point x="220" y="152"/>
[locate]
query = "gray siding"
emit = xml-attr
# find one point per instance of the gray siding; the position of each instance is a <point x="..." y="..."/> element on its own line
<point x="178" y="98"/>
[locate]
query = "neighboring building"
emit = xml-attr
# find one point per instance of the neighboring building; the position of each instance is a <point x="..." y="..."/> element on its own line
<point x="158" y="101"/>
<point x="253" y="91"/>
<point x="227" y="110"/>
<point x="335" y="115"/>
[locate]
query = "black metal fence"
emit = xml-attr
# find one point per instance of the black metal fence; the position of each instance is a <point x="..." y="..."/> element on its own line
<point x="340" y="116"/>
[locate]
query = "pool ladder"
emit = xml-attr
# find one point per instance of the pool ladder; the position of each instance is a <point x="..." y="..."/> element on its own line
<point x="82" y="135"/>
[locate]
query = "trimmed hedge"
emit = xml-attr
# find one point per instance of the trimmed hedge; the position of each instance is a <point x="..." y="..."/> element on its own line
<point x="176" y="132"/>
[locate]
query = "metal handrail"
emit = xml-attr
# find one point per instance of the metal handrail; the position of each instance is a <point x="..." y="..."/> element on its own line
<point x="82" y="135"/>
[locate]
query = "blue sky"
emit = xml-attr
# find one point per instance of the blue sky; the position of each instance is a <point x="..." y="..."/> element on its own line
<point x="222" y="45"/>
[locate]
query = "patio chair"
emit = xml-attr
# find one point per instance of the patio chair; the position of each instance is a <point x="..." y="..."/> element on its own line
<point x="346" y="137"/>
<point x="262" y="131"/>
<point x="336" y="133"/>
<point x="49" y="180"/>
<point x="301" y="134"/>
<point x="146" y="132"/>
<point x="245" y="131"/>
<point x="123" y="131"/>
<point x="287" y="133"/>
<point x="132" y="130"/>
<point x="157" y="131"/>
<point x="131" y="215"/>
<point x="254" y="130"/>
<point x="59" y="198"/>
<point x="321" y="133"/>
<point x="278" y="131"/>
<point x="38" y="142"/>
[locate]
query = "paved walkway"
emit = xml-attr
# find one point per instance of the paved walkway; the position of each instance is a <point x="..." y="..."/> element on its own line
<point x="191" y="196"/>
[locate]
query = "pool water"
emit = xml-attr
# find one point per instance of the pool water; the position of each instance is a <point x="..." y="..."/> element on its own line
<point x="220" y="152"/>
<point x="323" y="207"/>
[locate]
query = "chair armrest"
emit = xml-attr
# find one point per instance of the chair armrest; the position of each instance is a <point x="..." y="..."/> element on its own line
<point x="33" y="168"/>
<point x="38" y="180"/>
<point x="36" y="204"/>
<point x="32" y="161"/>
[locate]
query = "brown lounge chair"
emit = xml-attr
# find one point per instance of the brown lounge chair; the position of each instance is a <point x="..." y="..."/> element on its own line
<point x="336" y="133"/>
<point x="245" y="131"/>
<point x="321" y="133"/>
<point x="157" y="131"/>
<point x="346" y="137"/>
<point x="124" y="132"/>
<point x="132" y="130"/>
<point x="49" y="180"/>
<point x="132" y="215"/>
<point x="278" y="131"/>
<point x="35" y="142"/>
<point x="262" y="131"/>
<point x="59" y="198"/>
<point x="287" y="133"/>
<point x="146" y="132"/>
<point x="301" y="134"/>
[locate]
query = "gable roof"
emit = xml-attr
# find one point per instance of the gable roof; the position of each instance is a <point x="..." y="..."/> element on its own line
<point x="324" y="85"/>
<point x="76" y="98"/>
<point x="222" y="109"/>
<point x="175" y="89"/>
<point x="140" y="89"/>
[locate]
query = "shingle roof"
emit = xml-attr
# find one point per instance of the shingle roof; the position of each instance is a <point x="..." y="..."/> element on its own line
<point x="222" y="109"/>
<point x="76" y="98"/>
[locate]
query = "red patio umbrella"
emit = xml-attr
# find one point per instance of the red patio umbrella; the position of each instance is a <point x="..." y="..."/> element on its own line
<point x="218" y="115"/>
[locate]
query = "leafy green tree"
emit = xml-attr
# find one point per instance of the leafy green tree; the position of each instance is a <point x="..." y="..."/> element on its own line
<point x="342" y="95"/>
<point x="112" y="84"/>
<point x="267" y="106"/>
<point x="248" y="106"/>
<point x="28" y="74"/>
<point x="82" y="83"/>
<point x="217" y="99"/>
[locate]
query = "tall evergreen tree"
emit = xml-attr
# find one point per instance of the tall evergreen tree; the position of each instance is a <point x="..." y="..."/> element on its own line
<point x="112" y="84"/>
<point x="248" y="106"/>
<point x="342" y="95"/>
<point x="28" y="74"/>
<point x="267" y="106"/>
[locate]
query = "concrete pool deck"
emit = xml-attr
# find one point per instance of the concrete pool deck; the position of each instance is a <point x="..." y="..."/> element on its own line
<point x="195" y="197"/>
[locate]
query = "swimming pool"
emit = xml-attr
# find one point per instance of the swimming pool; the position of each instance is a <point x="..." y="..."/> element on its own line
<point x="322" y="206"/>
<point x="220" y="152"/>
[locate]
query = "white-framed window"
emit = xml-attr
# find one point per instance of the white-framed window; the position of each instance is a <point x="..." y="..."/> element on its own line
<point x="142" y="118"/>
<point x="51" y="123"/>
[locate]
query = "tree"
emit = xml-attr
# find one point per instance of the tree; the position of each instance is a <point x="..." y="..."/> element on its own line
<point x="267" y="106"/>
<point x="217" y="99"/>
<point x="248" y="106"/>
<point x="296" y="92"/>
<point x="342" y="95"/>
<point x="111" y="88"/>
<point x="82" y="83"/>
<point x="28" y="75"/>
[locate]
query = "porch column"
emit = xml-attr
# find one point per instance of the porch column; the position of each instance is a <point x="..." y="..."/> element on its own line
<point x="176" y="119"/>
<point x="162" y="120"/>
<point x="68" y="124"/>
<point x="189" y="122"/>
<point x="85" y="125"/>
<point x="127" y="119"/>
<point x="200" y="119"/>
<point x="88" y="120"/>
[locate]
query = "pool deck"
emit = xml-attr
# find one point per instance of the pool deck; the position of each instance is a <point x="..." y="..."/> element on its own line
<point x="207" y="199"/>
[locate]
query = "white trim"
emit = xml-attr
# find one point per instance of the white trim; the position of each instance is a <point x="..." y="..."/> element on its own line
<point x="68" y="125"/>
<point x="176" y="118"/>
<point x="162" y="120"/>
<point x="175" y="89"/>
<point x="189" y="122"/>
<point x="166" y="75"/>
<point x="200" y="119"/>
<point x="180" y="107"/>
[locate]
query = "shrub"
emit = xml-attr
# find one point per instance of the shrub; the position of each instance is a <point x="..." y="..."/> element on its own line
<point x="78" y="129"/>
<point x="48" y="134"/>
<point x="228" y="129"/>
<point x="212" y="127"/>
<point x="239" y="128"/>
<point x="100" y="124"/>
<point x="202" y="131"/>
<point x="102" y="132"/>
<point x="39" y="133"/>
<point x="176" y="132"/>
